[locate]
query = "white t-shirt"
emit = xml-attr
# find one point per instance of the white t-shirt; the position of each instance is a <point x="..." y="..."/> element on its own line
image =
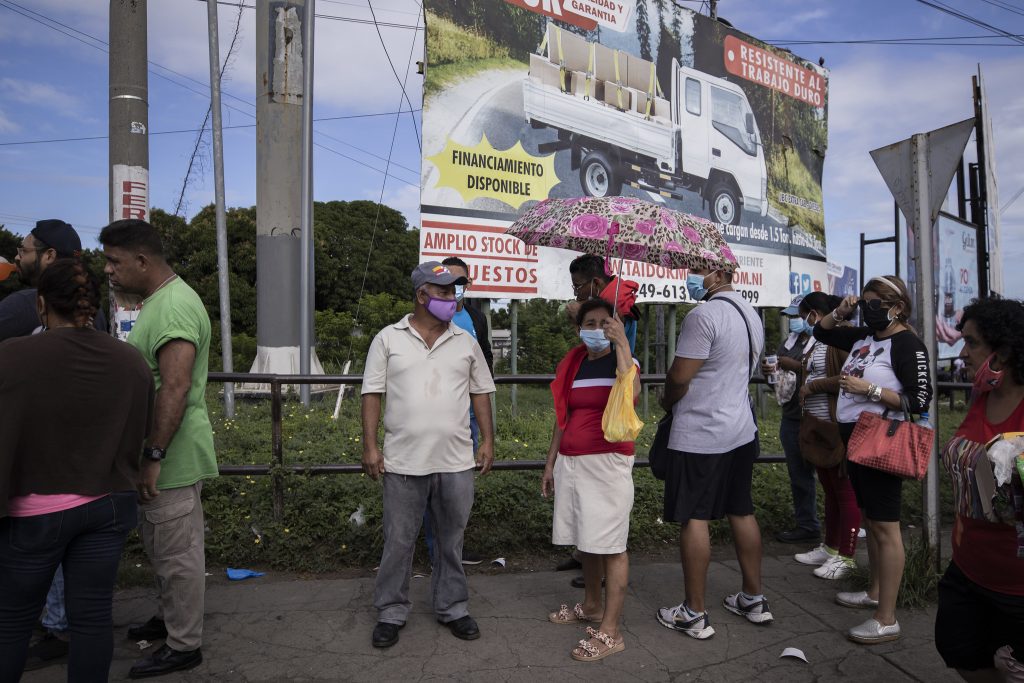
<point x="427" y="394"/>
<point x="714" y="416"/>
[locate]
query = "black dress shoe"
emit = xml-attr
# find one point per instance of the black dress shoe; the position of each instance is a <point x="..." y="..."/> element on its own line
<point x="580" y="582"/>
<point x="154" y="629"/>
<point x="568" y="564"/>
<point x="49" y="649"/>
<point x="797" y="535"/>
<point x="385" y="635"/>
<point x="464" y="627"/>
<point x="164" y="661"/>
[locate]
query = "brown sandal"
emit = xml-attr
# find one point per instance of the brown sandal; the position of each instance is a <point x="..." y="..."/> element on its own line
<point x="586" y="651"/>
<point x="564" y="616"/>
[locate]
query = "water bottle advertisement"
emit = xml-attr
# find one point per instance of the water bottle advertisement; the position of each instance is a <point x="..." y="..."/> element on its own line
<point x="956" y="278"/>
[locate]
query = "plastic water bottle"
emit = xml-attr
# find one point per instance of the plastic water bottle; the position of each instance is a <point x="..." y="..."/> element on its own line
<point x="924" y="421"/>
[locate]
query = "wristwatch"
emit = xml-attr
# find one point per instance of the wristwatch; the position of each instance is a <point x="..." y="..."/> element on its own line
<point x="154" y="453"/>
<point x="837" y="318"/>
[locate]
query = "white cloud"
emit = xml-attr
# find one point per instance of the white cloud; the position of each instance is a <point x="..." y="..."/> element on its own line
<point x="403" y="198"/>
<point x="44" y="95"/>
<point x="6" y="124"/>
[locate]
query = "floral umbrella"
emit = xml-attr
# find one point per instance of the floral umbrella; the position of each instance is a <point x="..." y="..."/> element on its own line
<point x="626" y="228"/>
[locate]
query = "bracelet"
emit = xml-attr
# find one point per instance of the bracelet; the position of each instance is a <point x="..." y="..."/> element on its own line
<point x="836" y="317"/>
<point x="875" y="392"/>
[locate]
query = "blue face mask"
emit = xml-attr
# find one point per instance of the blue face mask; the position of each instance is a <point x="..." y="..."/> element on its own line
<point x="797" y="325"/>
<point x="460" y="292"/>
<point x="695" y="286"/>
<point x="595" y="340"/>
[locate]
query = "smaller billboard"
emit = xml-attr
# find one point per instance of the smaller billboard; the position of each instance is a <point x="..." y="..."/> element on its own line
<point x="956" y="280"/>
<point x="842" y="279"/>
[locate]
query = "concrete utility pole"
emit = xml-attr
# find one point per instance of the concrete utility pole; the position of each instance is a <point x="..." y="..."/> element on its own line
<point x="280" y="89"/>
<point x="222" y="229"/>
<point x="307" y="297"/>
<point x="129" y="134"/>
<point x="714" y="8"/>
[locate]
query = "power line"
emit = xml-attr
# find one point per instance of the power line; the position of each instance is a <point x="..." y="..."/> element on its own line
<point x="1002" y="5"/>
<point x="796" y="41"/>
<point x="401" y="84"/>
<point x="42" y="19"/>
<point x="946" y="9"/>
<point x="332" y="17"/>
<point x="15" y="8"/>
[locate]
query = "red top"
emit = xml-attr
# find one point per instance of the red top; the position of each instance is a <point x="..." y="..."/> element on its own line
<point x="986" y="551"/>
<point x="588" y="397"/>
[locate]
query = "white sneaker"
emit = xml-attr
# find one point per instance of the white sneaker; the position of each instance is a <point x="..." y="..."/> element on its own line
<point x="756" y="612"/>
<point x="856" y="600"/>
<point x="815" y="557"/>
<point x="872" y="631"/>
<point x="835" y="568"/>
<point x="678" y="619"/>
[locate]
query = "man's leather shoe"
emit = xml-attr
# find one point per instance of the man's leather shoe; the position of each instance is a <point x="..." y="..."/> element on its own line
<point x="797" y="535"/>
<point x="464" y="627"/>
<point x="154" y="629"/>
<point x="164" y="661"/>
<point x="385" y="635"/>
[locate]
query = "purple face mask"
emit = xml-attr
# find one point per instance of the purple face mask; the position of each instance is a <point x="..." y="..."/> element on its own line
<point x="442" y="309"/>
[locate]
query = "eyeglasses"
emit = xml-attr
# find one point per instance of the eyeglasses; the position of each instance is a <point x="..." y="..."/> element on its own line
<point x="22" y="249"/>
<point x="576" y="288"/>
<point x="871" y="304"/>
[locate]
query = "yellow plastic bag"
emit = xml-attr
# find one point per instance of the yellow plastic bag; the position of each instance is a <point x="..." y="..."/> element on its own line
<point x="620" y="421"/>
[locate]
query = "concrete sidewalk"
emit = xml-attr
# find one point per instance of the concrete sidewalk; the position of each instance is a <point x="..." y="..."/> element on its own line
<point x="294" y="630"/>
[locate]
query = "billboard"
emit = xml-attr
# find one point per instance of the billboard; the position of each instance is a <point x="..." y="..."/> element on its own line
<point x="530" y="99"/>
<point x="956" y="280"/>
<point x="842" y="280"/>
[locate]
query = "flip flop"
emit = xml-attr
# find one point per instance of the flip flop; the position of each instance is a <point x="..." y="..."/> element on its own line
<point x="588" y="652"/>
<point x="564" y="616"/>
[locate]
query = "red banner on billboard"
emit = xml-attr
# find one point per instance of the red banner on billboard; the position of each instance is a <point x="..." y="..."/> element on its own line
<point x="555" y="10"/>
<point x="760" y="66"/>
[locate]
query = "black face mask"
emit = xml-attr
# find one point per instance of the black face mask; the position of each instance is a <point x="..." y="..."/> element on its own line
<point x="877" y="318"/>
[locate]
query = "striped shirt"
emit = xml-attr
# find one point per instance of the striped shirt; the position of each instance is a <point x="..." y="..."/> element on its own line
<point x="587" y="400"/>
<point x="817" y="404"/>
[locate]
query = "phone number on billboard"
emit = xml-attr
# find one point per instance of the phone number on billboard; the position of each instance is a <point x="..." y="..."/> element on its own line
<point x="678" y="292"/>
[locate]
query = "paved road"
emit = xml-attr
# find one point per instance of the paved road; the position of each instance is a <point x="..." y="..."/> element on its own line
<point x="303" y="630"/>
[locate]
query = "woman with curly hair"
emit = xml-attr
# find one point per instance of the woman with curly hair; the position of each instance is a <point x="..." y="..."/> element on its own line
<point x="76" y="406"/>
<point x="979" y="628"/>
<point x="887" y="365"/>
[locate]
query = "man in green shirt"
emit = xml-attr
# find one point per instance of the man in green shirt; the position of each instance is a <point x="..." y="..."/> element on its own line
<point x="173" y="335"/>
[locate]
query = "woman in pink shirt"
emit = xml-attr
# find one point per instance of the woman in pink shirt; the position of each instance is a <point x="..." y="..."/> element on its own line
<point x="76" y="406"/>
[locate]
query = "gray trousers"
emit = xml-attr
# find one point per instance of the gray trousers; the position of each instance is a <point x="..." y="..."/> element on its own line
<point x="172" y="531"/>
<point x="450" y="497"/>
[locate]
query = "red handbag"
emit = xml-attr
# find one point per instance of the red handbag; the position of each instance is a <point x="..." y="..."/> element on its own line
<point x="898" y="447"/>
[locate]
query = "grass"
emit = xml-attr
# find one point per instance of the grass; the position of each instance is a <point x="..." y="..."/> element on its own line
<point x="457" y="54"/>
<point x="509" y="517"/>
<point x="785" y="165"/>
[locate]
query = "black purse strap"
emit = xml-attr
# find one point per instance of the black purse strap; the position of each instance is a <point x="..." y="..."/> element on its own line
<point x="746" y="323"/>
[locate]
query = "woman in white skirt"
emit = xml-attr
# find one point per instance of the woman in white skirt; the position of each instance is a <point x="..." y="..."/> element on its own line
<point x="592" y="479"/>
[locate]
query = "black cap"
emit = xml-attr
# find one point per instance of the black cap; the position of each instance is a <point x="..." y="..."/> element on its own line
<point x="58" y="235"/>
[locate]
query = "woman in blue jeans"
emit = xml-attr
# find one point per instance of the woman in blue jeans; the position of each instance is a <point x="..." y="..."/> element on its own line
<point x="76" y="406"/>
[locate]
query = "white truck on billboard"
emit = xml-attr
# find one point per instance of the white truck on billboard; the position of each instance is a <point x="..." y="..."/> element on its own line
<point x="607" y="109"/>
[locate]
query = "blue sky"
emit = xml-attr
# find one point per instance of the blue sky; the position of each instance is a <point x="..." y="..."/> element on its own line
<point x="55" y="86"/>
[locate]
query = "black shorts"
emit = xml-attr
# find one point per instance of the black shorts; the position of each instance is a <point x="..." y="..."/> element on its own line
<point x="973" y="622"/>
<point x="709" y="486"/>
<point x="879" y="494"/>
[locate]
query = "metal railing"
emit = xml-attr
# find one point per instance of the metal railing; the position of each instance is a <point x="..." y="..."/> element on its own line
<point x="277" y="467"/>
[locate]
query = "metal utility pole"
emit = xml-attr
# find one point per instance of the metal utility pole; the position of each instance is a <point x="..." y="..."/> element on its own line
<point x="129" y="134"/>
<point x="222" y="226"/>
<point x="919" y="172"/>
<point x="714" y="8"/>
<point x="306" y="291"/>
<point x="281" y="167"/>
<point x="979" y="189"/>
<point x="513" y="323"/>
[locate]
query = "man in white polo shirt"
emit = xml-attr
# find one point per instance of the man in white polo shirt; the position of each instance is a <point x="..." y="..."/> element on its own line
<point x="431" y="371"/>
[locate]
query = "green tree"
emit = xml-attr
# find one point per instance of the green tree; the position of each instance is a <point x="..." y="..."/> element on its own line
<point x="545" y="335"/>
<point x="347" y="245"/>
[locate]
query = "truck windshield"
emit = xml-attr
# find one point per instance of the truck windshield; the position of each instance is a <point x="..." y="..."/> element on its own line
<point x="728" y="115"/>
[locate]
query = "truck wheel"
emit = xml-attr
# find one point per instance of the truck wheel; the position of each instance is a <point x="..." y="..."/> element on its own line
<point x="725" y="207"/>
<point x="597" y="176"/>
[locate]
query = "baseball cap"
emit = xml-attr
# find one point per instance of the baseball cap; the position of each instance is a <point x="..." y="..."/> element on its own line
<point x="58" y="235"/>
<point x="433" y="273"/>
<point x="6" y="268"/>
<point x="794" y="306"/>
